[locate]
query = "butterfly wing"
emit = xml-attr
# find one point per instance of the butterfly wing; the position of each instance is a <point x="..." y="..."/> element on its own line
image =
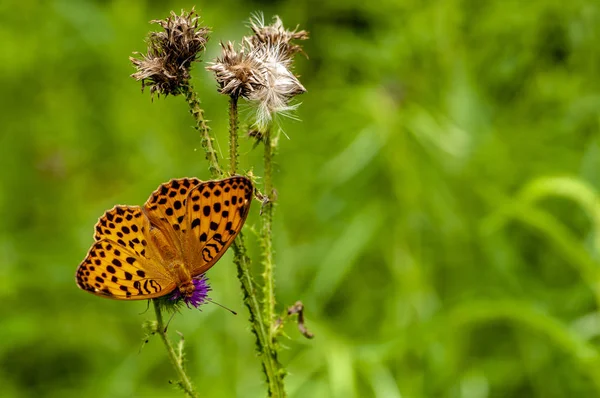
<point x="197" y="222"/>
<point x="215" y="213"/>
<point x="166" y="209"/>
<point x="125" y="225"/>
<point x="122" y="264"/>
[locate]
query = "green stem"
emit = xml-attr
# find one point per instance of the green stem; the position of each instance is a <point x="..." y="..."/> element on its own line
<point x="202" y="127"/>
<point x="233" y="133"/>
<point x="266" y="237"/>
<point x="261" y="329"/>
<point x="176" y="360"/>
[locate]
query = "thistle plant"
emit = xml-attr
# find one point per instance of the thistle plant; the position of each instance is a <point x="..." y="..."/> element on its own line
<point x="258" y="70"/>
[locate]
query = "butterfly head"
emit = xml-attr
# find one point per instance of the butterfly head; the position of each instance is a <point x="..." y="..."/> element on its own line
<point x="194" y="292"/>
<point x="187" y="289"/>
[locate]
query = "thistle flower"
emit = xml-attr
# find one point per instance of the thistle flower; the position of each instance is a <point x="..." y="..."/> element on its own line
<point x="238" y="73"/>
<point x="198" y="297"/>
<point x="276" y="34"/>
<point x="260" y="71"/>
<point x="279" y="87"/>
<point x="166" y="65"/>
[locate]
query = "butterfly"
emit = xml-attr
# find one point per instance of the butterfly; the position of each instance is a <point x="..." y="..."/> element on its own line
<point x="181" y="231"/>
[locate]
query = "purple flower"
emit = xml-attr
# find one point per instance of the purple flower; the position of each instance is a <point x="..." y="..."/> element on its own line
<point x="200" y="294"/>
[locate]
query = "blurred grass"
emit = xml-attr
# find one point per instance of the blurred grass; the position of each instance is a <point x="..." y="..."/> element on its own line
<point x="438" y="204"/>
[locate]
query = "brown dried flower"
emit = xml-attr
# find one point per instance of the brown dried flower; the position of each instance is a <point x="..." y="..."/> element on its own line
<point x="276" y="34"/>
<point x="279" y="85"/>
<point x="260" y="71"/>
<point x="166" y="65"/>
<point x="238" y="73"/>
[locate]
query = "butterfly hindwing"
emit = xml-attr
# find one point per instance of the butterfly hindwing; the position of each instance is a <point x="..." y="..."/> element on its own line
<point x="216" y="211"/>
<point x="114" y="271"/>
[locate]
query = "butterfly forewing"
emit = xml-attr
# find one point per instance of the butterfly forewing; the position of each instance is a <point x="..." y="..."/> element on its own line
<point x="216" y="211"/>
<point x="166" y="209"/>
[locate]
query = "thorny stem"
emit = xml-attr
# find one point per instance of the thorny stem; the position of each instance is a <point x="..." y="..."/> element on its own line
<point x="266" y="238"/>
<point x="206" y="138"/>
<point x="268" y="353"/>
<point x="176" y="360"/>
<point x="233" y="133"/>
<point x="261" y="328"/>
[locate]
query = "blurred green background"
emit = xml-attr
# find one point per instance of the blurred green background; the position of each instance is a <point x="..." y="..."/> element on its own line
<point x="438" y="201"/>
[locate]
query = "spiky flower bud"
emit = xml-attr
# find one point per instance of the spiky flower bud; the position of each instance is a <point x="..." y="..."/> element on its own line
<point x="166" y="65"/>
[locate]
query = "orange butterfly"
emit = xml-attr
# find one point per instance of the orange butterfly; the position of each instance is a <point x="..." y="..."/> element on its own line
<point x="181" y="231"/>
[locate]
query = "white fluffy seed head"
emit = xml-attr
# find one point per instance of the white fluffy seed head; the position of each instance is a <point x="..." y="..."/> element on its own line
<point x="280" y="85"/>
<point x="260" y="71"/>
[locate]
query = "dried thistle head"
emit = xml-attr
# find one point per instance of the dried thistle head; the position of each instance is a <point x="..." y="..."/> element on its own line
<point x="261" y="70"/>
<point x="166" y="65"/>
<point x="276" y="34"/>
<point x="279" y="84"/>
<point x="238" y="73"/>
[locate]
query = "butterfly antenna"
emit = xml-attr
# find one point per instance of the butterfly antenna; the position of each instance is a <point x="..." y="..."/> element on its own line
<point x="222" y="306"/>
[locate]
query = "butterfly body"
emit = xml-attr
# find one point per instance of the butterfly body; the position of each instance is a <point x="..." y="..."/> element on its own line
<point x="181" y="231"/>
<point x="184" y="283"/>
<point x="168" y="255"/>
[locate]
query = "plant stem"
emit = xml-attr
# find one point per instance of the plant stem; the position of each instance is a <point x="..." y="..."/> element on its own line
<point x="233" y="133"/>
<point x="176" y="361"/>
<point x="261" y="329"/>
<point x="202" y="127"/>
<point x="266" y="237"/>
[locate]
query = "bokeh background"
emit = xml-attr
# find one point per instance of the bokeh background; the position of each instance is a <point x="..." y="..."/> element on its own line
<point x="438" y="204"/>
